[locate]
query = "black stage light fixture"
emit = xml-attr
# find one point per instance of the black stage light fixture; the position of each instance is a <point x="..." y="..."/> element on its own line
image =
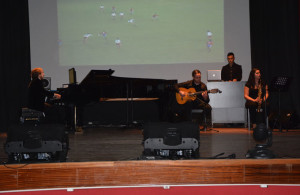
<point x="36" y="143"/>
<point x="164" y="140"/>
<point x="263" y="136"/>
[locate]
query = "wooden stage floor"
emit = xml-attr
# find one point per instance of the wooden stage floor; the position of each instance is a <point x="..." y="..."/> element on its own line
<point x="122" y="144"/>
<point x="108" y="157"/>
<point x="119" y="144"/>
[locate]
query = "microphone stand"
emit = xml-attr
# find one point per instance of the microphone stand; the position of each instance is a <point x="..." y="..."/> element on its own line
<point x="269" y="139"/>
<point x="266" y="115"/>
<point x="278" y="118"/>
<point x="261" y="151"/>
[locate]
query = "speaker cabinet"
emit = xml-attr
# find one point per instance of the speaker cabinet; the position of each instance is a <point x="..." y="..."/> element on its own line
<point x="171" y="140"/>
<point x="47" y="83"/>
<point x="44" y="142"/>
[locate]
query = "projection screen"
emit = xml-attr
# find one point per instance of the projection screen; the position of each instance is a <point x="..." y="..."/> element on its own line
<point x="163" y="39"/>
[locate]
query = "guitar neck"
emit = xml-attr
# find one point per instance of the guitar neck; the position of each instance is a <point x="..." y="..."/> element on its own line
<point x="199" y="92"/>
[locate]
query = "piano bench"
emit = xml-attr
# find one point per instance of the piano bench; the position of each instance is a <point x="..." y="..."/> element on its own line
<point x="31" y="116"/>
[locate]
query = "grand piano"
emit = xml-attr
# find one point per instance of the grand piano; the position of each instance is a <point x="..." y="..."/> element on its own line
<point x="101" y="98"/>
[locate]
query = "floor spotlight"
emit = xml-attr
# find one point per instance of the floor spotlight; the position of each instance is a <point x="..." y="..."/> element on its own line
<point x="263" y="136"/>
<point x="164" y="140"/>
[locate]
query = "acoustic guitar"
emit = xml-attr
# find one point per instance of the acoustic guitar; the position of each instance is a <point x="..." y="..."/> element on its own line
<point x="191" y="94"/>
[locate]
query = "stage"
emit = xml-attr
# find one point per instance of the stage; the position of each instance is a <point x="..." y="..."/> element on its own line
<point x="108" y="156"/>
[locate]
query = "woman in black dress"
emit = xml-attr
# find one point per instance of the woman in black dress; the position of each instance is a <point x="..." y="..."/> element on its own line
<point x="256" y="93"/>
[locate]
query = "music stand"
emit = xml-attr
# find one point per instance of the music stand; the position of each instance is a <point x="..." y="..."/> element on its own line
<point x="279" y="83"/>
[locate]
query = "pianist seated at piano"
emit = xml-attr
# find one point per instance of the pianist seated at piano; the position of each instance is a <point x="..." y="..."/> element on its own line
<point x="37" y="94"/>
<point x="184" y="108"/>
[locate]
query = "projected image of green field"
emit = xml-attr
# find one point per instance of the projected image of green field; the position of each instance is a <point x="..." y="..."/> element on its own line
<point x="148" y="32"/>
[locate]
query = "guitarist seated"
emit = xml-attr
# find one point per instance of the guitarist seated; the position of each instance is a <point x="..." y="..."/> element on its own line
<point x="186" y="102"/>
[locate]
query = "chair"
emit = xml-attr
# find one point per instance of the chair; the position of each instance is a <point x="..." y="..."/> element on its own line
<point x="249" y="122"/>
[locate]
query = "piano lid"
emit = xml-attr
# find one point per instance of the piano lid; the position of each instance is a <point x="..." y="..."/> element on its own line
<point x="104" y="77"/>
<point x="101" y="83"/>
<point x="95" y="77"/>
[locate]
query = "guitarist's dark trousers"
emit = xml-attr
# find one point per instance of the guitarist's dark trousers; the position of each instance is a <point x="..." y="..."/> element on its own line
<point x="184" y="111"/>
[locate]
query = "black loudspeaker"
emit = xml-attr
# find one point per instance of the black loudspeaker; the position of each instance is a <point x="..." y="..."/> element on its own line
<point x="171" y="140"/>
<point x="47" y="83"/>
<point x="29" y="143"/>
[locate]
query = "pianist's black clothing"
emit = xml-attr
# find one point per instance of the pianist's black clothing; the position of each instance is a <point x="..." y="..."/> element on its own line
<point x="199" y="103"/>
<point x="36" y="100"/>
<point x="229" y="73"/>
<point x="37" y="94"/>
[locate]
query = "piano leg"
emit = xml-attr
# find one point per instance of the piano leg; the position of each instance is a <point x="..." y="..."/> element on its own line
<point x="78" y="119"/>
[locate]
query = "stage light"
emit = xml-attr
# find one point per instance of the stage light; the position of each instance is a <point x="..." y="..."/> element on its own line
<point x="36" y="143"/>
<point x="260" y="132"/>
<point x="163" y="140"/>
<point x="263" y="136"/>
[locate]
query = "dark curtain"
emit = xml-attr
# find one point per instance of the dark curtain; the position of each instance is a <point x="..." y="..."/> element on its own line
<point x="274" y="30"/>
<point x="14" y="60"/>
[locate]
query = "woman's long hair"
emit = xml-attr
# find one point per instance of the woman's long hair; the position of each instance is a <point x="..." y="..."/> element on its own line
<point x="251" y="79"/>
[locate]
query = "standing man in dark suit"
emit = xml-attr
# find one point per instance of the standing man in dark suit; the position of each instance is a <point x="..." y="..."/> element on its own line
<point x="231" y="71"/>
